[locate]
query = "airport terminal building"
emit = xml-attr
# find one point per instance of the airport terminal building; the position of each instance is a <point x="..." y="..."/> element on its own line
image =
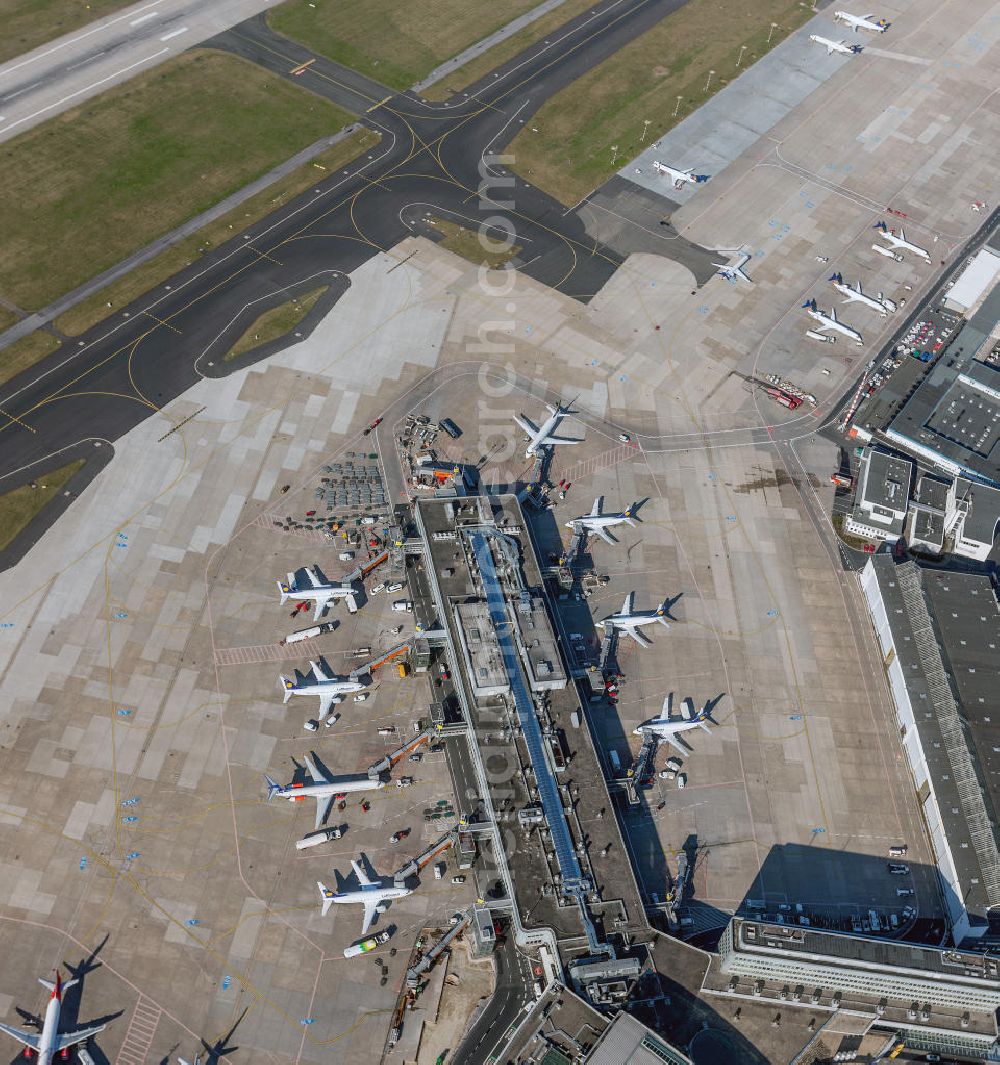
<point x="939" y="634"/>
<point x="940" y="1001"/>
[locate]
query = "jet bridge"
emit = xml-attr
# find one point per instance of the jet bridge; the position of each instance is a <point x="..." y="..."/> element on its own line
<point x="386" y="764"/>
<point x="426" y="963"/>
<point x="433" y="852"/>
<point x="365" y="570"/>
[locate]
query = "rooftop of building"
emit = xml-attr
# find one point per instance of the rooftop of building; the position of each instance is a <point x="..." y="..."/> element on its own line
<point x="627" y="1041"/>
<point x="959" y="420"/>
<point x="963" y="638"/>
<point x="932" y="491"/>
<point x="885" y="480"/>
<point x="852" y="951"/>
<point x="981" y="503"/>
<point x="479" y="637"/>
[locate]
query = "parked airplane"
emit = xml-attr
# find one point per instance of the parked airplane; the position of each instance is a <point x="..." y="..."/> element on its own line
<point x="629" y="620"/>
<point x="887" y="252"/>
<point x="734" y="271"/>
<point x="680" y="177"/>
<point x="862" y="22"/>
<point x="900" y="241"/>
<point x="835" y="46"/>
<point x="667" y="728"/>
<point x="598" y="523"/>
<point x="371" y="894"/>
<point x="324" y="789"/>
<point x="309" y="583"/>
<point x="543" y="437"/>
<point x="879" y="303"/>
<point x="330" y="688"/>
<point x="831" y="321"/>
<point x="49" y="1042"/>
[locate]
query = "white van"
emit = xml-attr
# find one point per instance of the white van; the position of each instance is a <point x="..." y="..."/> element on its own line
<point x="401" y="606"/>
<point x="439" y="870"/>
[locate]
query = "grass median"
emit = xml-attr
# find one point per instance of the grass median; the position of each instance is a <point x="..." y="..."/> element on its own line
<point x="24" y="353"/>
<point x="395" y="42"/>
<point x="469" y="73"/>
<point x="84" y="190"/>
<point x="20" y="505"/>
<point x="275" y="323"/>
<point x="29" y="23"/>
<point x="471" y="246"/>
<point x="122" y="292"/>
<point x="580" y="137"/>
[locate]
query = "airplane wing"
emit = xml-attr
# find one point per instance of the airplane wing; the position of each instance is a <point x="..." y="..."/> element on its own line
<point x="526" y="424"/>
<point x="550" y="439"/>
<point x="676" y="742"/>
<point x="604" y="535"/>
<point x="313" y="771"/>
<point x="852" y="298"/>
<point x="641" y="639"/>
<point x="323" y="804"/>
<point x="820" y="327"/>
<point x="313" y="579"/>
<point x="70" y="1039"/>
<point x="322" y="602"/>
<point x="629" y="603"/>
<point x="359" y="872"/>
<point x="371" y="906"/>
<point x="317" y="671"/>
<point x="668" y="705"/>
<point x="326" y="700"/>
<point x="25" y="1038"/>
<point x="595" y="510"/>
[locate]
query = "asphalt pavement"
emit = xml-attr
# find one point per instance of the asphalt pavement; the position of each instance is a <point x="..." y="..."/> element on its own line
<point x="431" y="156"/>
<point x="63" y="73"/>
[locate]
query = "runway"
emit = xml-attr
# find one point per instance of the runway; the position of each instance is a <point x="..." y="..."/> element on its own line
<point x="64" y="73"/>
<point x="431" y="156"/>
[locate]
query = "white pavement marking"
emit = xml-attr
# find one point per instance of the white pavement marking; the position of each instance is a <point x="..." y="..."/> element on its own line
<point x="69" y="41"/>
<point x="143" y="18"/>
<point x="881" y="52"/>
<point x="174" y="33"/>
<point x="80" y="92"/>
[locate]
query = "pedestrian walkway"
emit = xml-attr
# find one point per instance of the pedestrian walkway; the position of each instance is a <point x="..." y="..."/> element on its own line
<point x="140" y="1033"/>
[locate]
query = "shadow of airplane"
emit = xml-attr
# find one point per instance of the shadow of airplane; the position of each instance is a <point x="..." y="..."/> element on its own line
<point x="216" y="1051"/>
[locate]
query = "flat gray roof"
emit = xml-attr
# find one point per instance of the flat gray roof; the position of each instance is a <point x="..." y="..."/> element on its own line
<point x="965" y="617"/>
<point x="886" y="480"/>
<point x="837" y="947"/>
<point x="959" y="420"/>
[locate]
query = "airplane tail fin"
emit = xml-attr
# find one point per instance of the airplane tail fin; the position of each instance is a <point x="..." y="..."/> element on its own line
<point x="57" y="987"/>
<point x="286" y="686"/>
<point x="880" y="224"/>
<point x="837" y="278"/>
<point x="632" y="514"/>
<point x="285" y="590"/>
<point x="326" y="895"/>
<point x="273" y="787"/>
<point x="811" y="304"/>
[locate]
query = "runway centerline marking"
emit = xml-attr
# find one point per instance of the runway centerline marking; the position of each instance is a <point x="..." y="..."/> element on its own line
<point x="174" y="33"/>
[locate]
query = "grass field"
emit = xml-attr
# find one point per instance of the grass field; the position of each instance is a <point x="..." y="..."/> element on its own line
<point x="466" y="243"/>
<point x="573" y="151"/>
<point x="479" y="67"/>
<point x="24" y="353"/>
<point x="82" y="191"/>
<point x="122" y="292"/>
<point x="29" y="23"/>
<point x="19" y="506"/>
<point x="395" y="42"/>
<point x="7" y="318"/>
<point x="275" y="323"/>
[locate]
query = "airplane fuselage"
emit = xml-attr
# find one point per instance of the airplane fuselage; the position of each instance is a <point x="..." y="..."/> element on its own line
<point x="598" y="521"/>
<point x="301" y="792"/>
<point x="325" y="687"/>
<point x="379" y="894"/>
<point x="902" y="242"/>
<point x="856" y="295"/>
<point x="678" y="177"/>
<point x="636" y="621"/>
<point x="48" y="1043"/>
<point x="827" y="322"/>
<point x="832" y="46"/>
<point x="859" y="22"/>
